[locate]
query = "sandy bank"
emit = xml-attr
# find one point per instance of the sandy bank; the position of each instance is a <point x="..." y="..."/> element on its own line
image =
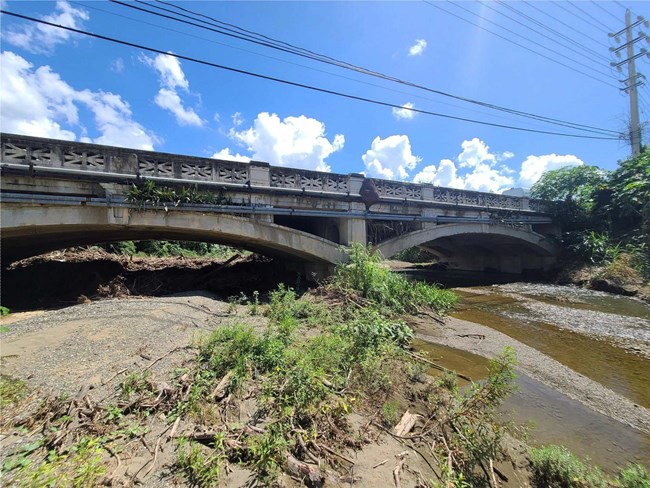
<point x="538" y="366"/>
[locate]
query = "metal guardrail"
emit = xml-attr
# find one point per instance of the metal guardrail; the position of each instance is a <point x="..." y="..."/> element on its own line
<point x="82" y="158"/>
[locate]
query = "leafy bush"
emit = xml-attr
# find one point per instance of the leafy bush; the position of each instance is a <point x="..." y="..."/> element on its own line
<point x="558" y="467"/>
<point x="634" y="476"/>
<point x="365" y="275"/>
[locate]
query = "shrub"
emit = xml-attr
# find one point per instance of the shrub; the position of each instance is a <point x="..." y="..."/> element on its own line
<point x="365" y="275"/>
<point x="634" y="476"/>
<point x="558" y="467"/>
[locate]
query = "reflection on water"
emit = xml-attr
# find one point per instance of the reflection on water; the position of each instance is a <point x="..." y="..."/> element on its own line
<point x="575" y="327"/>
<point x="556" y="418"/>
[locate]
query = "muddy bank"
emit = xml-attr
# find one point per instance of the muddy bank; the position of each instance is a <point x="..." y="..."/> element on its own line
<point x="61" y="279"/>
<point x="487" y="342"/>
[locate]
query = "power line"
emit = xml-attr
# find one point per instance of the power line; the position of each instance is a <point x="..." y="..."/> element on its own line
<point x="576" y="15"/>
<point x="366" y="71"/>
<point x="570" y="48"/>
<point x="520" y="45"/>
<point x="553" y="31"/>
<point x="605" y="10"/>
<point x="522" y="36"/>
<point x="573" y="28"/>
<point x="288" y="82"/>
<point x="355" y="80"/>
<point x="595" y="19"/>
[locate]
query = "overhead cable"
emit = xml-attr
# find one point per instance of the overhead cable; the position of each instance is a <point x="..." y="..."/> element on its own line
<point x="526" y="39"/>
<point x="435" y="5"/>
<point x="291" y="83"/>
<point x="553" y="31"/>
<point x="270" y="42"/>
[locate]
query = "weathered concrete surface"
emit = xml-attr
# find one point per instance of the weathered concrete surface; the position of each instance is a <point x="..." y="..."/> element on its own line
<point x="31" y="229"/>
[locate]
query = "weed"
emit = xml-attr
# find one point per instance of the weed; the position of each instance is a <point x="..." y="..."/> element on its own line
<point x="255" y="304"/>
<point x="266" y="452"/>
<point x="136" y="383"/>
<point x="4" y="311"/>
<point x="80" y="465"/>
<point x="390" y="413"/>
<point x="387" y="290"/>
<point x="12" y="390"/>
<point x="634" y="476"/>
<point x="201" y="465"/>
<point x="557" y="466"/>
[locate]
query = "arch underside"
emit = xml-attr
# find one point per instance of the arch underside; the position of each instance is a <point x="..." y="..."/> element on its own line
<point x="480" y="247"/>
<point x="31" y="230"/>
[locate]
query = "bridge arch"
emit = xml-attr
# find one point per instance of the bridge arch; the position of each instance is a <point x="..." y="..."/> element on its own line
<point x="468" y="240"/>
<point x="28" y="230"/>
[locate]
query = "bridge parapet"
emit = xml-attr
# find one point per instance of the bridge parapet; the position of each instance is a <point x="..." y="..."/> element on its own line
<point x="76" y="156"/>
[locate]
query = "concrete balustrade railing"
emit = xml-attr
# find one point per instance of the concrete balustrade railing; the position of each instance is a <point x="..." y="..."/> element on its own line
<point x="49" y="153"/>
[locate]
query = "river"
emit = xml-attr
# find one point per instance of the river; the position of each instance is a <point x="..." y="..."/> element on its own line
<point x="601" y="336"/>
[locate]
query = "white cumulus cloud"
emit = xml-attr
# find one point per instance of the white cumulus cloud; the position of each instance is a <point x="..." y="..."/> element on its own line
<point x="228" y="156"/>
<point x="172" y="78"/>
<point x="404" y="113"/>
<point x="477" y="165"/>
<point x="37" y="102"/>
<point x="390" y="158"/>
<point x="418" y="48"/>
<point x="298" y="142"/>
<point x="41" y="38"/>
<point x="534" y="166"/>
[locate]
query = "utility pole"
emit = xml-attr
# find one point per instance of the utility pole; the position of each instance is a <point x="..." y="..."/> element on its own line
<point x="634" y="79"/>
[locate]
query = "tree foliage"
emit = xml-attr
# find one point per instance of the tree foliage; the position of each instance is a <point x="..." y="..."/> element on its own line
<point x="577" y="183"/>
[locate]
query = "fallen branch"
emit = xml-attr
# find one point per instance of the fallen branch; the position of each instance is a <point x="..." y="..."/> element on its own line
<point x="380" y="464"/>
<point x="164" y="356"/>
<point x="398" y="469"/>
<point x="302" y="469"/>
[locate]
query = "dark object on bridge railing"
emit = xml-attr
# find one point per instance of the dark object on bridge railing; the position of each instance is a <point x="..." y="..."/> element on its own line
<point x="63" y="156"/>
<point x="369" y="193"/>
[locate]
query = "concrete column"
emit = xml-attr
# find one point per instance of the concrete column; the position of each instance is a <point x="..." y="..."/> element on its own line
<point x="355" y="182"/>
<point x="427" y="191"/>
<point x="352" y="230"/>
<point x="259" y="173"/>
<point x="525" y="203"/>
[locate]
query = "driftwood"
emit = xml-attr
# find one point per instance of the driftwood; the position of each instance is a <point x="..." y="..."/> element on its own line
<point x="406" y="423"/>
<point x="304" y="470"/>
<point x="222" y="388"/>
<point x="398" y="469"/>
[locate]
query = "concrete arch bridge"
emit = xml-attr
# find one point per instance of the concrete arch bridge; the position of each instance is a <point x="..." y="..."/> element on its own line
<point x="56" y="194"/>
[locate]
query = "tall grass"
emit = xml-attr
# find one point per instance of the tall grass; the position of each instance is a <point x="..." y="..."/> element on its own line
<point x="365" y="275"/>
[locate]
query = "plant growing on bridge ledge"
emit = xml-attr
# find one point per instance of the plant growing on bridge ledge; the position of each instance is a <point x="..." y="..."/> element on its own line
<point x="365" y="275"/>
<point x="148" y="194"/>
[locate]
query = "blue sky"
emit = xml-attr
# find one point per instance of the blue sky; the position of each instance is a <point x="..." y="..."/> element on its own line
<point x="58" y="84"/>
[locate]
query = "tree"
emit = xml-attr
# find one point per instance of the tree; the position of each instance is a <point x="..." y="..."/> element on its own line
<point x="629" y="203"/>
<point x="576" y="190"/>
<point x="577" y="183"/>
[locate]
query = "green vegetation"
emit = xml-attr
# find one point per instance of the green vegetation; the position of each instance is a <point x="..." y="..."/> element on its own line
<point x="388" y="291"/>
<point x="148" y="194"/>
<point x="605" y="217"/>
<point x="557" y="466"/>
<point x="3" y="311"/>
<point x="12" y="390"/>
<point x="414" y="255"/>
<point x="186" y="249"/>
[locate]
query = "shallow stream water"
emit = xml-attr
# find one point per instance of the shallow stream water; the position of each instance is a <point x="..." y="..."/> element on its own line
<point x="550" y="417"/>
<point x="602" y="336"/>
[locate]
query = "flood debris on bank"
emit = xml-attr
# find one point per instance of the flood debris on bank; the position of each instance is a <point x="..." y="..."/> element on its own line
<point x="318" y="390"/>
